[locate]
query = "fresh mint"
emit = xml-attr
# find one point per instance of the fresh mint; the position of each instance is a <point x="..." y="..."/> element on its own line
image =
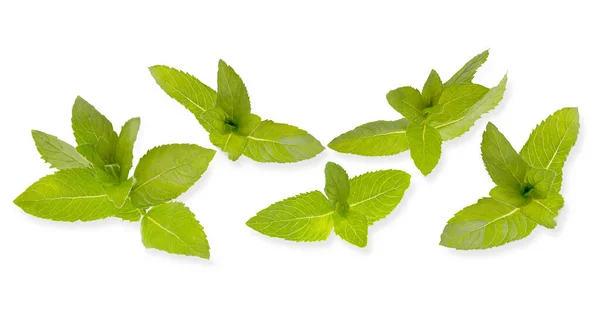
<point x="439" y="112"/>
<point x="226" y="115"/>
<point x="93" y="182"/>
<point x="528" y="184"/>
<point x="351" y="205"/>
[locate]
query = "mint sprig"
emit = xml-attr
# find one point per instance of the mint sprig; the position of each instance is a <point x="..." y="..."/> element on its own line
<point x="226" y="115"/>
<point x="93" y="182"/>
<point x="351" y="206"/>
<point x="439" y="112"/>
<point x="528" y="184"/>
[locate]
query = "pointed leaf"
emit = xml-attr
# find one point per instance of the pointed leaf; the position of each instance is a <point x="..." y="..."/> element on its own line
<point x="488" y="223"/>
<point x="337" y="184"/>
<point x="281" y="143"/>
<point x="351" y="227"/>
<point x="509" y="196"/>
<point x="173" y="228"/>
<point x="119" y="193"/>
<point x="167" y="171"/>
<point x="425" y="146"/>
<point x="505" y="166"/>
<point x="543" y="211"/>
<point x="67" y="195"/>
<point x="232" y="144"/>
<point x="376" y="194"/>
<point x="57" y="153"/>
<point x="455" y="101"/>
<point x="232" y="95"/>
<point x="432" y="89"/>
<point x="408" y="102"/>
<point x="377" y="138"/>
<point x="124" y="148"/>
<point x="303" y="218"/>
<point x="467" y="72"/>
<point x="91" y="128"/>
<point x="541" y="180"/>
<point x="551" y="141"/>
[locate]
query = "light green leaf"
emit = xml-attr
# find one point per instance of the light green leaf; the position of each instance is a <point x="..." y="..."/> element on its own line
<point x="455" y="101"/>
<point x="432" y="89"/>
<point x="543" y="211"/>
<point x="509" y="196"/>
<point x="462" y="123"/>
<point x="91" y="128"/>
<point x="377" y="138"/>
<point x="488" y="223"/>
<point x="232" y="144"/>
<point x="376" y="194"/>
<point x="541" y="181"/>
<point x="337" y="184"/>
<point x="505" y="166"/>
<point x="232" y="95"/>
<point x="551" y="141"/>
<point x="351" y="227"/>
<point x="467" y="72"/>
<point x="128" y="212"/>
<point x="67" y="195"/>
<point x="167" y="171"/>
<point x="185" y="89"/>
<point x="425" y="146"/>
<point x="119" y="193"/>
<point x="408" y="102"/>
<point x="173" y="228"/>
<point x="215" y="119"/>
<point x="281" y="143"/>
<point x="304" y="218"/>
<point x="57" y="153"/>
<point x="124" y="148"/>
<point x="247" y="124"/>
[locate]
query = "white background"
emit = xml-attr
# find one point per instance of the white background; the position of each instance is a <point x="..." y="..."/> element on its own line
<point x="325" y="67"/>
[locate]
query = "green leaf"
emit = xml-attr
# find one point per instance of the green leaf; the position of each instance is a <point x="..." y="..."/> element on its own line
<point x="281" y="143"/>
<point x="455" y="101"/>
<point x="91" y="128"/>
<point x="128" y="212"/>
<point x="185" y="89"/>
<point x="119" y="193"/>
<point x="541" y="181"/>
<point x="232" y="144"/>
<point x="215" y="120"/>
<point x="376" y="194"/>
<point x="351" y="227"/>
<point x="425" y="146"/>
<point x="467" y="72"/>
<point x="509" y="196"/>
<point x="337" y="184"/>
<point x="505" y="166"/>
<point x="551" y="141"/>
<point x="432" y="89"/>
<point x="167" y="171"/>
<point x="58" y="153"/>
<point x="305" y="218"/>
<point x="232" y="95"/>
<point x="408" y="102"/>
<point x="124" y="148"/>
<point x="247" y="124"/>
<point x="172" y="227"/>
<point x="543" y="211"/>
<point x="377" y="138"/>
<point x="488" y="223"/>
<point x="462" y="123"/>
<point x="67" y="195"/>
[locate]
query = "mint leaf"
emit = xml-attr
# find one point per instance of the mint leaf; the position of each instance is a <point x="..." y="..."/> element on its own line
<point x="505" y="166"/>
<point x="166" y="171"/>
<point x="540" y="181"/>
<point x="351" y="227"/>
<point x="303" y="218"/>
<point x="337" y="184"/>
<point x="124" y="147"/>
<point x="92" y="129"/>
<point x="376" y="194"/>
<point x="232" y="144"/>
<point x="128" y="212"/>
<point x="543" y="211"/>
<point x="172" y="227"/>
<point x="119" y="193"/>
<point x="185" y="89"/>
<point x="58" y="153"/>
<point x="455" y="101"/>
<point x="510" y="196"/>
<point x="215" y="120"/>
<point x="67" y="195"/>
<point x="432" y="89"/>
<point x="408" y="102"/>
<point x="425" y="146"/>
<point x="551" y="141"/>
<point x="232" y="95"/>
<point x="248" y="124"/>
<point x="281" y="143"/>
<point x="489" y="223"/>
<point x="467" y="72"/>
<point x="377" y="138"/>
